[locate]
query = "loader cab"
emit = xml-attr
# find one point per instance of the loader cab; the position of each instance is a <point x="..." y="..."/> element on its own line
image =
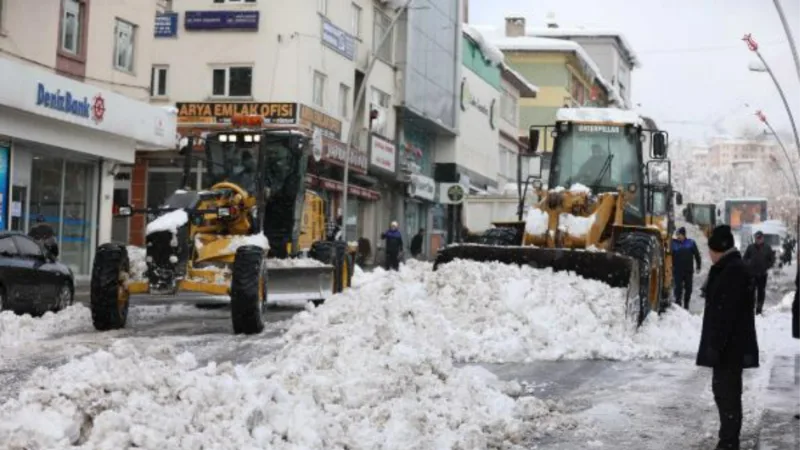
<point x="270" y="165"/>
<point x="602" y="157"/>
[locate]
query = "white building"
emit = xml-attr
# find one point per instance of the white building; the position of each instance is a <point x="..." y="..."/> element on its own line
<point x="513" y="87"/>
<point x="295" y="62"/>
<point x="67" y="119"/>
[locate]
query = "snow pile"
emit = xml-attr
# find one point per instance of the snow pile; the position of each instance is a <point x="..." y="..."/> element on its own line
<point x="536" y="221"/>
<point x="295" y="262"/>
<point x="259" y="240"/>
<point x="16" y="331"/>
<point x="170" y="221"/>
<point x="137" y="257"/>
<point x="489" y="50"/>
<point x="575" y="225"/>
<point x="578" y="188"/>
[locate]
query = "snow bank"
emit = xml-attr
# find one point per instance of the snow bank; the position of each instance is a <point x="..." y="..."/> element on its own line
<point x="259" y="240"/>
<point x="137" y="257"/>
<point x="536" y="222"/>
<point x="16" y="331"/>
<point x="170" y="221"/>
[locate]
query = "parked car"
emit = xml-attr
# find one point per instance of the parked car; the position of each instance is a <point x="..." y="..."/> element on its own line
<point x="32" y="280"/>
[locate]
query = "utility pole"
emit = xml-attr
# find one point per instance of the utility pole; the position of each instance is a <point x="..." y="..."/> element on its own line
<point x="373" y="58"/>
<point x="753" y="46"/>
<point x="788" y="31"/>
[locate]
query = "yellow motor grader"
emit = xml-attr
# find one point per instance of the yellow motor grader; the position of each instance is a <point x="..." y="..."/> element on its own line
<point x="221" y="241"/>
<point x="597" y="219"/>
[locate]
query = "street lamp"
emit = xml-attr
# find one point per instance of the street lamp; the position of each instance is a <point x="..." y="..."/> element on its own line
<point x="373" y="58"/>
<point x="788" y="31"/>
<point x="763" y="118"/>
<point x="764" y="67"/>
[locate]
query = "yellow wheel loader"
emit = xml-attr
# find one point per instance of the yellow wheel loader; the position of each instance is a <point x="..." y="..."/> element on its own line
<point x="596" y="219"/>
<point x="235" y="241"/>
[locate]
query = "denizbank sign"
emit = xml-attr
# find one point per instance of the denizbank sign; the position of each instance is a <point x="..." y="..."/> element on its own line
<point x="66" y="102"/>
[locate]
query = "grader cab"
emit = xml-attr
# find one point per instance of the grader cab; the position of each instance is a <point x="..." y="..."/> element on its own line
<point x="596" y="219"/>
<point x="225" y="241"/>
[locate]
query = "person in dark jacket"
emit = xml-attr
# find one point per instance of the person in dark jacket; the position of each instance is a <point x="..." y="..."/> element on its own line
<point x="759" y="257"/>
<point x="685" y="256"/>
<point x="44" y="235"/>
<point x="728" y="342"/>
<point x="416" y="243"/>
<point x="394" y="247"/>
<point x="796" y="307"/>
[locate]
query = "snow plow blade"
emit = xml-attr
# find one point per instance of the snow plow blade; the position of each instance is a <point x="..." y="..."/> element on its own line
<point x="289" y="286"/>
<point x="610" y="268"/>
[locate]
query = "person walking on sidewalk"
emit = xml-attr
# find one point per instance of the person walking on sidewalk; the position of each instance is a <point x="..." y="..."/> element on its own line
<point x="394" y="247"/>
<point x="728" y="341"/>
<point x="796" y="313"/>
<point x="685" y="256"/>
<point x="759" y="257"/>
<point x="416" y="243"/>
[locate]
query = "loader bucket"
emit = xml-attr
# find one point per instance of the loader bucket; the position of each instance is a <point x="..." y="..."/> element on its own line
<point x="610" y="268"/>
<point x="298" y="285"/>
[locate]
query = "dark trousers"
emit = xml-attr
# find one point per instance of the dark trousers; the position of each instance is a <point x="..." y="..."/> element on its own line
<point x="726" y="385"/>
<point x="760" y="282"/>
<point x="392" y="261"/>
<point x="683" y="288"/>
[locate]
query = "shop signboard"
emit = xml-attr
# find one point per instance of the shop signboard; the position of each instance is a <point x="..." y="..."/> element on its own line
<point x="221" y="20"/>
<point x="338" y="40"/>
<point x="166" y="25"/>
<point x="5" y="160"/>
<point x="422" y="187"/>
<point x="334" y="153"/>
<point x="383" y="154"/>
<point x="316" y="120"/>
<point x="451" y="193"/>
<point x="221" y="112"/>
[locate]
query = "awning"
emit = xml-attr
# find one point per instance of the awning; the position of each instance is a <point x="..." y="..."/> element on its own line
<point x="337" y="186"/>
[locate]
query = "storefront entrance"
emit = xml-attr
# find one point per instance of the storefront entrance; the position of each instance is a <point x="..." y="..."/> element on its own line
<point x="62" y="191"/>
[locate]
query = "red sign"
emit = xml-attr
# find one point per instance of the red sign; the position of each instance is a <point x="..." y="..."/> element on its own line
<point x="333" y="152"/>
<point x="98" y="109"/>
<point x="332" y="185"/>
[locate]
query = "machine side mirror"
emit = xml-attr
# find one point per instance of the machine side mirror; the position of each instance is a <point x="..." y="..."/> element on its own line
<point x="719" y="213"/>
<point x="660" y="145"/>
<point x="533" y="139"/>
<point x="678" y="198"/>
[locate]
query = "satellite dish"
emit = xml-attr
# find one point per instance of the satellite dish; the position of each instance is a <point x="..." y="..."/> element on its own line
<point x="317" y="145"/>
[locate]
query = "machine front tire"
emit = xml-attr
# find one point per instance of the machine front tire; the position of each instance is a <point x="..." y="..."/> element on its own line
<point x="643" y="249"/>
<point x="110" y="298"/>
<point x="248" y="290"/>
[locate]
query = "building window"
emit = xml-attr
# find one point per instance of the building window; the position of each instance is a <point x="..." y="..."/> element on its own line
<point x="123" y="46"/>
<point x="319" y="89"/>
<point x="380" y="98"/>
<point x="322" y="7"/>
<point x="380" y="28"/>
<point x="344" y="100"/>
<point x="508" y="107"/>
<point x="232" y="82"/>
<point x="71" y="27"/>
<point x="158" y="81"/>
<point x="355" y="27"/>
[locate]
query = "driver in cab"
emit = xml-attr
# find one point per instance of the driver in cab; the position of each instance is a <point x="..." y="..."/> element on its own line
<point x="591" y="171"/>
<point x="246" y="177"/>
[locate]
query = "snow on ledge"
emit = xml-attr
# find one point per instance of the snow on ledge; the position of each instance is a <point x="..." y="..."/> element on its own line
<point x="526" y="88"/>
<point x="490" y="51"/>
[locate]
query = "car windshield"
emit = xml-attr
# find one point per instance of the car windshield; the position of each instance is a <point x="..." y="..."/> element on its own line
<point x="598" y="156"/>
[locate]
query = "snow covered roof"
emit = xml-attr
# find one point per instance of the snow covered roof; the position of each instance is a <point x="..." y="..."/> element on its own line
<point x="490" y="52"/>
<point x="599" y="115"/>
<point x="537" y="44"/>
<point x="526" y="89"/>
<point x="566" y="33"/>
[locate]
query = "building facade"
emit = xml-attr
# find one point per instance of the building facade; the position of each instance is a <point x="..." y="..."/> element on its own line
<point x="513" y="87"/>
<point x="69" y="115"/>
<point x="292" y="62"/>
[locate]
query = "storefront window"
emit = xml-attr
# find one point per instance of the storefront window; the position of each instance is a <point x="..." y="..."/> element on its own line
<point x="45" y="193"/>
<point x="76" y="231"/>
<point x="161" y="183"/>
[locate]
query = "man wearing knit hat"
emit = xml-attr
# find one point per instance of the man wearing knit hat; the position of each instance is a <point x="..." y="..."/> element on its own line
<point x="759" y="257"/>
<point x="685" y="260"/>
<point x="728" y="342"/>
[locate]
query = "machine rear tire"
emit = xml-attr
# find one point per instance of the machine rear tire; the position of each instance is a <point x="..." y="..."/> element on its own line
<point x="643" y="248"/>
<point x="110" y="298"/>
<point x="335" y="253"/>
<point x="248" y="290"/>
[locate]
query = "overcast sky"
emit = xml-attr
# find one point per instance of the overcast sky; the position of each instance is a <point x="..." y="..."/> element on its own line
<point x="694" y="63"/>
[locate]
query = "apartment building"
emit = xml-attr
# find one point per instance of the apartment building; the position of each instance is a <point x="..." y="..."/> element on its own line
<point x="75" y="73"/>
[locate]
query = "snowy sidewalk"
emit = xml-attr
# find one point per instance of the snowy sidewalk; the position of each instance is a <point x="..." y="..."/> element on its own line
<point x="779" y="429"/>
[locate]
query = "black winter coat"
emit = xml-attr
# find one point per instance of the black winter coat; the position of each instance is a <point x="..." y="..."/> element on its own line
<point x="729" y="338"/>
<point x="759" y="258"/>
<point x="796" y="307"/>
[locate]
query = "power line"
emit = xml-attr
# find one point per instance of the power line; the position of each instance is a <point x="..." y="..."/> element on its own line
<point x="707" y="49"/>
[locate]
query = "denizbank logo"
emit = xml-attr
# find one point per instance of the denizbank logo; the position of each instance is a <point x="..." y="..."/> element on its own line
<point x="69" y="104"/>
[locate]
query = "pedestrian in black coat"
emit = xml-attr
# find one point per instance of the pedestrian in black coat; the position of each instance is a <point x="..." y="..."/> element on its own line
<point x="796" y="307"/>
<point x="759" y="257"/>
<point x="728" y="342"/>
